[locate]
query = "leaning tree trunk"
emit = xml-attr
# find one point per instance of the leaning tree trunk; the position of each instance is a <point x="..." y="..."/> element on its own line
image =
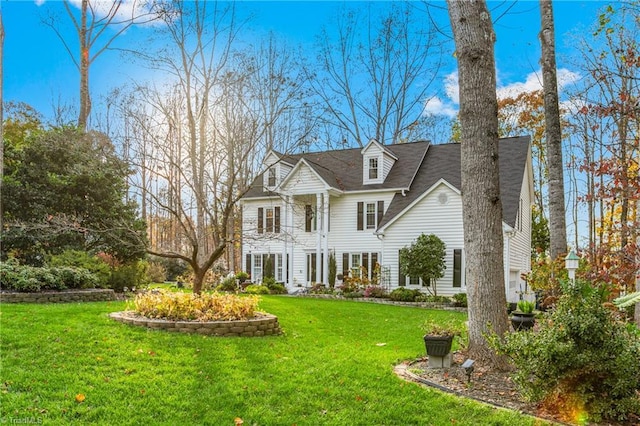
<point x="557" y="226"/>
<point x="482" y="207"/>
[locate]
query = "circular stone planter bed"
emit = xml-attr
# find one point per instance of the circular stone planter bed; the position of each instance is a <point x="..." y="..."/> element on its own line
<point x="86" y="295"/>
<point x="261" y="325"/>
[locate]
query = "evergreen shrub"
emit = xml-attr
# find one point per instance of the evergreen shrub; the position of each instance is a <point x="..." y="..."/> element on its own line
<point x="583" y="357"/>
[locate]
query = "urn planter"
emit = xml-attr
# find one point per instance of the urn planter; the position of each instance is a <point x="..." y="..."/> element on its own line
<point x="522" y="321"/>
<point x="438" y="346"/>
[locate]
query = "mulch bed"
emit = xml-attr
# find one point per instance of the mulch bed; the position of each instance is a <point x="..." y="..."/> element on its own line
<point x="489" y="386"/>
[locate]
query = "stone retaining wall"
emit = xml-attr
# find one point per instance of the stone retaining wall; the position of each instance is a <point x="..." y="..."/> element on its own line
<point x="88" y="295"/>
<point x="265" y="325"/>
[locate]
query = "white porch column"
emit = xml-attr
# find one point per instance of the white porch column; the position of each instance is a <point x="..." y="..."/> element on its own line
<point x="325" y="236"/>
<point x="290" y="230"/>
<point x="284" y="228"/>
<point x="318" y="222"/>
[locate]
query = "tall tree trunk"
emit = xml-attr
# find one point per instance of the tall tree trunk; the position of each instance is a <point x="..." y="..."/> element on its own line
<point x="557" y="226"/>
<point x="482" y="207"/>
<point x="1" y="102"/>
<point x="85" y="100"/>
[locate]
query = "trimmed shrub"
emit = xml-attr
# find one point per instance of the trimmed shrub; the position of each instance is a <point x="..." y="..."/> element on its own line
<point x="228" y="284"/>
<point x="583" y="355"/>
<point x="130" y="276"/>
<point x="179" y="306"/>
<point x="257" y="289"/>
<point x="460" y="300"/>
<point x="156" y="272"/>
<point x="29" y="279"/>
<point x="375" y="291"/>
<point x="81" y="259"/>
<point x="278" y="288"/>
<point x="402" y="294"/>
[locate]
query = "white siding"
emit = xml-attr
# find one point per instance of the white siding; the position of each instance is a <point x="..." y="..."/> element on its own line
<point x="387" y="164"/>
<point x="432" y="215"/>
<point x="304" y="181"/>
<point x="519" y="246"/>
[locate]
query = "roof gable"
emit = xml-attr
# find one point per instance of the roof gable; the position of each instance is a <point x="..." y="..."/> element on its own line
<point x="442" y="162"/>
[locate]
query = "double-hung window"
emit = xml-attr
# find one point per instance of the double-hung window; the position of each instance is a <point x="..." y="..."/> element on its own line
<point x="271" y="177"/>
<point x="369" y="215"/>
<point x="373" y="168"/>
<point x="268" y="220"/>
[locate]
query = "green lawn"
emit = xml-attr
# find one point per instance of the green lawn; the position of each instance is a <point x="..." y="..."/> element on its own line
<point x="326" y="369"/>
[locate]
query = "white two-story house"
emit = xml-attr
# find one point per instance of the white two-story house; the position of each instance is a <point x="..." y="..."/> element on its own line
<point x="364" y="205"/>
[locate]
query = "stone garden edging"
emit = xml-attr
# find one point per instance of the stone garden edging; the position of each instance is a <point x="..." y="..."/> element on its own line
<point x="86" y="295"/>
<point x="427" y="305"/>
<point x="263" y="325"/>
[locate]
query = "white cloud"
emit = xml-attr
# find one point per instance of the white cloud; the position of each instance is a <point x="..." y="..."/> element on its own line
<point x="39" y="2"/>
<point x="435" y="106"/>
<point x="451" y="87"/>
<point x="532" y="82"/>
<point x="127" y="10"/>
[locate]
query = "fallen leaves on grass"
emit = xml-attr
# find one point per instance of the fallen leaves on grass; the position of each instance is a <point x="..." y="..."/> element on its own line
<point x="80" y="398"/>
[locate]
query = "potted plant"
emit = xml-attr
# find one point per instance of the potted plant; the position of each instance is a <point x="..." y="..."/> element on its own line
<point x="438" y="338"/>
<point x="523" y="317"/>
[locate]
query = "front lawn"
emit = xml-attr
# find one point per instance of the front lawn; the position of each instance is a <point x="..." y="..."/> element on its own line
<point x="332" y="366"/>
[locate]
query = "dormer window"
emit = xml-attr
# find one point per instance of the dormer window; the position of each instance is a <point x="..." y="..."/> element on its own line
<point x="373" y="168"/>
<point x="271" y="177"/>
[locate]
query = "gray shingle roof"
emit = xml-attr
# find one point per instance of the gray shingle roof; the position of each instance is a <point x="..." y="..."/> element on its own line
<point x="443" y="162"/>
<point x="342" y="169"/>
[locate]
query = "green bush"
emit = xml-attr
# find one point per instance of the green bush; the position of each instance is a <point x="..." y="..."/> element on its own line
<point x="228" y="284"/>
<point x="460" y="300"/>
<point x="402" y="294"/>
<point x="278" y="288"/>
<point x="84" y="260"/>
<point x="23" y="278"/>
<point x="157" y="273"/>
<point x="129" y="276"/>
<point x="437" y="299"/>
<point x="581" y="355"/>
<point x="257" y="289"/>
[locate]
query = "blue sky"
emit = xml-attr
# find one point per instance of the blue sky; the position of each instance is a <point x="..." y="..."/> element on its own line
<point x="39" y="71"/>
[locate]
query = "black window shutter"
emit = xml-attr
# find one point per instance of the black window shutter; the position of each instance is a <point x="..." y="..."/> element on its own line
<point x="360" y="216"/>
<point x="401" y="279"/>
<point x="308" y="215"/>
<point x="247" y="264"/>
<point x="260" y="220"/>
<point x="457" y="268"/>
<point x="345" y="265"/>
<point x="276" y="220"/>
<point x="380" y="212"/>
<point x="365" y="263"/>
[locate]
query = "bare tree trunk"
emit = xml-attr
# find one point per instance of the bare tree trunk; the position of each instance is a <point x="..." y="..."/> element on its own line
<point x="85" y="101"/>
<point x="557" y="226"/>
<point x="482" y="207"/>
<point x="1" y="102"/>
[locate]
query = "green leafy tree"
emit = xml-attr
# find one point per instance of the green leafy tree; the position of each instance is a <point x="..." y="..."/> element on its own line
<point x="424" y="258"/>
<point x="65" y="189"/>
<point x="333" y="269"/>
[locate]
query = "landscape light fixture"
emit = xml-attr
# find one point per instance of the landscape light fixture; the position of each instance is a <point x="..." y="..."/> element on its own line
<point x="571" y="263"/>
<point x="468" y="368"/>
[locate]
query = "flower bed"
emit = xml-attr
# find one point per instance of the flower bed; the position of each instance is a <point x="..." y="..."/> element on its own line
<point x="261" y="325"/>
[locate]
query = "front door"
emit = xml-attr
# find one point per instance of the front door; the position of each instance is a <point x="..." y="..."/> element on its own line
<point x="312" y="275"/>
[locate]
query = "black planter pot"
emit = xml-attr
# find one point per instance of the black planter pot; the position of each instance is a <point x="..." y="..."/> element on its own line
<point x="522" y="321"/>
<point x="438" y="345"/>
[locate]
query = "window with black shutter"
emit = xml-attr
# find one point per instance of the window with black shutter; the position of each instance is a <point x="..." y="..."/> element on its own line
<point x="360" y="216"/>
<point x="345" y="265"/>
<point x="260" y="220"/>
<point x="380" y="213"/>
<point x="276" y="215"/>
<point x="457" y="268"/>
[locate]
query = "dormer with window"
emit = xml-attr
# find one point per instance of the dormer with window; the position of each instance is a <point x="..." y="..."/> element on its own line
<point x="276" y="170"/>
<point x="376" y="162"/>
